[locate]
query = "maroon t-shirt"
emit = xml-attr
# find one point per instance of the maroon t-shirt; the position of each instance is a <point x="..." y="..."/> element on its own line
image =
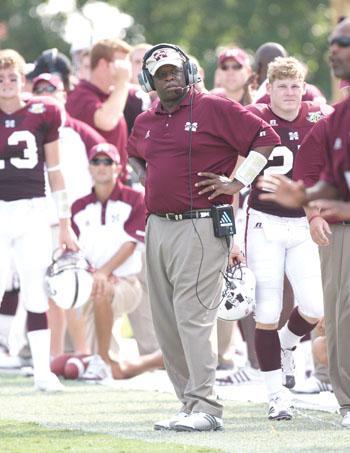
<point x="311" y="93"/>
<point x="281" y="160"/>
<point x="137" y="102"/>
<point x="23" y="135"/>
<point x="205" y="133"/>
<point x="83" y="102"/>
<point x="89" y="136"/>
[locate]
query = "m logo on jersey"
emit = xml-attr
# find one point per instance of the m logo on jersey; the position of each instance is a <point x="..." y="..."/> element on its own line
<point x="10" y="124"/>
<point x="37" y="108"/>
<point x="313" y="117"/>
<point x="191" y="126"/>
<point x="273" y="123"/>
<point x="293" y="136"/>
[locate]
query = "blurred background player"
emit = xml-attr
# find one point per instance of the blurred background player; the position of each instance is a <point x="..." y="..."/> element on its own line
<point x="234" y="73"/>
<point x="100" y="101"/>
<point x="29" y="138"/>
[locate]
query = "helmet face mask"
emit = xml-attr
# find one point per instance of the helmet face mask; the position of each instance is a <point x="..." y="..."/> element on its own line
<point x="238" y="293"/>
<point x="69" y="279"/>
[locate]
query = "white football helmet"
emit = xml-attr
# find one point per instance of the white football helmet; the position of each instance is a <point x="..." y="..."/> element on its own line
<point x="69" y="279"/>
<point x="238" y="293"/>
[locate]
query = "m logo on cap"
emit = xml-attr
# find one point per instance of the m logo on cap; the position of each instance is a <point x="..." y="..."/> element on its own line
<point x="159" y="54"/>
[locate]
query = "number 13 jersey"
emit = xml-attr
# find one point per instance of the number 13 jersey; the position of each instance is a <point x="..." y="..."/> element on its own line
<point x="281" y="160"/>
<point x="23" y="135"/>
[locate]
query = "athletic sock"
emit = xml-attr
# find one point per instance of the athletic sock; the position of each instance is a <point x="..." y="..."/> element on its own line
<point x="294" y="330"/>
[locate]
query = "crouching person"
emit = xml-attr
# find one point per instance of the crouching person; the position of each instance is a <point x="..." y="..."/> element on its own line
<point x="109" y="223"/>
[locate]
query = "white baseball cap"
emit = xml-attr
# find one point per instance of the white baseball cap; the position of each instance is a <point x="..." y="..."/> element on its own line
<point x="163" y="56"/>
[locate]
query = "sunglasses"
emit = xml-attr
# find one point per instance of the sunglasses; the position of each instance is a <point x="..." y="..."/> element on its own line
<point x="103" y="160"/>
<point x="235" y="67"/>
<point x="341" y="41"/>
<point x="45" y="89"/>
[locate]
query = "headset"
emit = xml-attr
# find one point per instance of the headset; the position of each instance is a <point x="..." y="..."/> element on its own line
<point x="190" y="69"/>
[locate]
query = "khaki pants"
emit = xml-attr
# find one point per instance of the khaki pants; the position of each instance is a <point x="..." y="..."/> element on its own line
<point x="336" y="285"/>
<point x="127" y="296"/>
<point x="184" y="260"/>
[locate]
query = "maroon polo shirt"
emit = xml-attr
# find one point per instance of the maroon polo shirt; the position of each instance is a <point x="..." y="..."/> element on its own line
<point x="204" y="134"/>
<point x="23" y="136"/>
<point x="282" y="158"/>
<point x="83" y="102"/>
<point x="337" y="157"/>
<point x="310" y="159"/>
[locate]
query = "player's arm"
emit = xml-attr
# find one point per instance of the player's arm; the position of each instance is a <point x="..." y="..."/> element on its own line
<point x="332" y="208"/>
<point x="319" y="227"/>
<point x="103" y="274"/>
<point x="293" y="194"/>
<point x="245" y="174"/>
<point x="59" y="193"/>
<point x="139" y="167"/>
<point x="108" y="115"/>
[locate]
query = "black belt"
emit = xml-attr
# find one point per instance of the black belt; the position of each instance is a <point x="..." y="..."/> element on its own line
<point x="196" y="214"/>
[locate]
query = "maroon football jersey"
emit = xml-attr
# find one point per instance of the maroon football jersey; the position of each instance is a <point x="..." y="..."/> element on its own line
<point x="281" y="160"/>
<point x="23" y="135"/>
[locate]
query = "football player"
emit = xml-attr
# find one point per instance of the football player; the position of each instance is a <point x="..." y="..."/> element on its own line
<point x="28" y="141"/>
<point x="278" y="240"/>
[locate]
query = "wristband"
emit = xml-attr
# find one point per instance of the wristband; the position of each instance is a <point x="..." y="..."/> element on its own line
<point x="313" y="217"/>
<point x="62" y="204"/>
<point x="250" y="168"/>
<point x="55" y="168"/>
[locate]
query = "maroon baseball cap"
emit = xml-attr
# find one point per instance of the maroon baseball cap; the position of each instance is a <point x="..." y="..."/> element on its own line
<point x="52" y="79"/>
<point x="237" y="54"/>
<point x="105" y="148"/>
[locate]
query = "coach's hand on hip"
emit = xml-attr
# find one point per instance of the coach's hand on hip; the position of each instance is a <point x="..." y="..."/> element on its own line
<point x="218" y="185"/>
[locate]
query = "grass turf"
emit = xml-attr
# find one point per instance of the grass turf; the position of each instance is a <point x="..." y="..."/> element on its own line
<point x="89" y="418"/>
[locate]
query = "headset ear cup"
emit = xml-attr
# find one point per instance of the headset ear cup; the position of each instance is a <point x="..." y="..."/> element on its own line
<point x="191" y="73"/>
<point x="146" y="81"/>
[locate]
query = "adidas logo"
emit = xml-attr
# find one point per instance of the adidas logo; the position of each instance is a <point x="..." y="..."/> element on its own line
<point x="225" y="220"/>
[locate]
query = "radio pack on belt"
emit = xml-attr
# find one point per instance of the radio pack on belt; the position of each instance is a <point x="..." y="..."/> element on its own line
<point x="223" y="220"/>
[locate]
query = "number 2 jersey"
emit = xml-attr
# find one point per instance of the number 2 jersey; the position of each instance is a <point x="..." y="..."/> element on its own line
<point x="281" y="160"/>
<point x="23" y="135"/>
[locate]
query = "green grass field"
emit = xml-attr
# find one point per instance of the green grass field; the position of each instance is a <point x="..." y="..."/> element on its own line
<point x="94" y="418"/>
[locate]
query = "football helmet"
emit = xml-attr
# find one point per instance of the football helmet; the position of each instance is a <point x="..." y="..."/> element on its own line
<point x="69" y="279"/>
<point x="238" y="293"/>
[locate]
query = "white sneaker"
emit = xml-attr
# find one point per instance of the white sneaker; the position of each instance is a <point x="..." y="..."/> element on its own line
<point x="279" y="409"/>
<point x="50" y="384"/>
<point x="170" y="422"/>
<point x="97" y="370"/>
<point x="199" y="421"/>
<point x="8" y="361"/>
<point x="244" y="375"/>
<point x="288" y="368"/>
<point x="312" y="385"/>
<point x="346" y="420"/>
